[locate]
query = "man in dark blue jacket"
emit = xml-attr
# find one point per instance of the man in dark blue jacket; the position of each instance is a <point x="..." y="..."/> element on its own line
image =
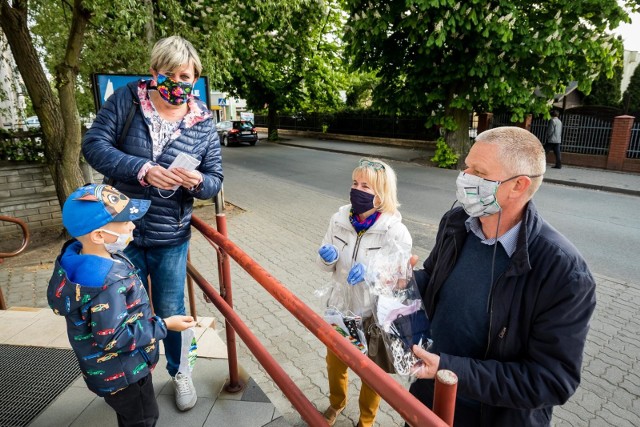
<point x="165" y="121"/>
<point x="509" y="297"/>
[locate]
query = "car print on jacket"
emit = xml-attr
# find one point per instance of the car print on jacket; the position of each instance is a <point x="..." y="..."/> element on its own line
<point x="109" y="321"/>
<point x="114" y="376"/>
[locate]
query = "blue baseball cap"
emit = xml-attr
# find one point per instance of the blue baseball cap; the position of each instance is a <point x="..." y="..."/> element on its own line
<point x="92" y="206"/>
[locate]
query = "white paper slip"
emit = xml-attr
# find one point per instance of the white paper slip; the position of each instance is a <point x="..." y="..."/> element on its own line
<point x="184" y="161"/>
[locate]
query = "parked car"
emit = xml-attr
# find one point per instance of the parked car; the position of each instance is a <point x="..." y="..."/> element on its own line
<point x="233" y="132"/>
<point x="32" y="122"/>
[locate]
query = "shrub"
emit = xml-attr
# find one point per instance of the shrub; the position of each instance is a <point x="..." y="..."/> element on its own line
<point x="21" y="146"/>
<point x="445" y="157"/>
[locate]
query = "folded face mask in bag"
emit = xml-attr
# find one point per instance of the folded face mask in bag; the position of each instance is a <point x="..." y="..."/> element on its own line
<point x="412" y="329"/>
<point x="349" y="327"/>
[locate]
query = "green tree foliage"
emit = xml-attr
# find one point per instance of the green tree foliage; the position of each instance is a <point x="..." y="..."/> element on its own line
<point x="451" y="57"/>
<point x="285" y="55"/>
<point x="605" y="90"/>
<point x="360" y="90"/>
<point x="631" y="100"/>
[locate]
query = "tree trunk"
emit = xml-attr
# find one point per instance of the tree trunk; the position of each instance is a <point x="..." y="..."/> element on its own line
<point x="458" y="139"/>
<point x="58" y="118"/>
<point x="272" y="123"/>
<point x="149" y="26"/>
<point x="66" y="75"/>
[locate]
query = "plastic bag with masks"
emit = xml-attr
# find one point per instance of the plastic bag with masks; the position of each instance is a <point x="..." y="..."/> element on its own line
<point x="398" y="308"/>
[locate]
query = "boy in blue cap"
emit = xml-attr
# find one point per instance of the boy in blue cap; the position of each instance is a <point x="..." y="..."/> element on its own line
<point x="96" y="288"/>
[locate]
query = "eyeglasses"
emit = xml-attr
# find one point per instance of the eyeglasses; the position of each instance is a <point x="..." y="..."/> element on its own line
<point x="370" y="164"/>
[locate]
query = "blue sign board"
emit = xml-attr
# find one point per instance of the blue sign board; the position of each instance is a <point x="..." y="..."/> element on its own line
<point x="105" y="84"/>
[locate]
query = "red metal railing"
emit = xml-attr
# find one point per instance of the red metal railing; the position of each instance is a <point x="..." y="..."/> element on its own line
<point x="25" y="242"/>
<point x="411" y="409"/>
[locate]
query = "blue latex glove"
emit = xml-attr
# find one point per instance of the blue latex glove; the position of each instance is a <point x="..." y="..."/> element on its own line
<point x="356" y="275"/>
<point x="328" y="253"/>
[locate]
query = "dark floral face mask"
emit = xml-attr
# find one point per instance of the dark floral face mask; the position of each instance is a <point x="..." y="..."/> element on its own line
<point x="175" y="93"/>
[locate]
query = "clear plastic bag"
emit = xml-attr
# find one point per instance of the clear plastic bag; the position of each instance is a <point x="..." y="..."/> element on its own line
<point x="355" y="299"/>
<point x="398" y="308"/>
<point x="348" y="325"/>
<point x="344" y="307"/>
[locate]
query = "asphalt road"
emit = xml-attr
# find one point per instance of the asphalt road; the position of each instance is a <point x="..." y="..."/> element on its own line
<point x="603" y="226"/>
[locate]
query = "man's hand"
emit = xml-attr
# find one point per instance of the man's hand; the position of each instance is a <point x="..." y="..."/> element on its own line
<point x="413" y="260"/>
<point x="428" y="365"/>
<point x="162" y="178"/>
<point x="179" y="323"/>
<point x="402" y="283"/>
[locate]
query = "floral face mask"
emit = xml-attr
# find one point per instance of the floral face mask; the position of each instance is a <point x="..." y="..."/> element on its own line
<point x="175" y="93"/>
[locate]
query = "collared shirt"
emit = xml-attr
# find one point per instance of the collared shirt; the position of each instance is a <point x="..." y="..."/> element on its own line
<point x="509" y="240"/>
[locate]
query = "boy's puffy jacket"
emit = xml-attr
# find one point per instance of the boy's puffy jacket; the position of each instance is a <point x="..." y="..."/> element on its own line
<point x="109" y="321"/>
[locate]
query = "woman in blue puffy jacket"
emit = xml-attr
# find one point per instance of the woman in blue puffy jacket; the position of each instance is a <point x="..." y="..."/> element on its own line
<point x="136" y="136"/>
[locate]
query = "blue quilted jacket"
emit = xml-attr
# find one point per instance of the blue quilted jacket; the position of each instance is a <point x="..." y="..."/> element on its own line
<point x="168" y="220"/>
<point x="109" y="321"/>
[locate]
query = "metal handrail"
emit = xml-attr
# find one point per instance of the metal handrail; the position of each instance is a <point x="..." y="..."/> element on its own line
<point x="410" y="408"/>
<point x="25" y="242"/>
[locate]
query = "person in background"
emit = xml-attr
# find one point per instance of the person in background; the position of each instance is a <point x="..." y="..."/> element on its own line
<point x="509" y="297"/>
<point x="554" y="137"/>
<point x="164" y="120"/>
<point x="109" y="321"/>
<point x="355" y="232"/>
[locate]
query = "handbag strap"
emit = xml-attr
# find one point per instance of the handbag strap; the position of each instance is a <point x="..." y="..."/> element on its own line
<point x="127" y="124"/>
<point x="125" y="131"/>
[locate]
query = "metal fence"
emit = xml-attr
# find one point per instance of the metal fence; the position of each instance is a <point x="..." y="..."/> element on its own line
<point x="356" y="124"/>
<point x="634" y="144"/>
<point x="581" y="134"/>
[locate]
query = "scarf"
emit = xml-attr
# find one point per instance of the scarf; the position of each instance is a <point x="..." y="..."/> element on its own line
<point x="363" y="226"/>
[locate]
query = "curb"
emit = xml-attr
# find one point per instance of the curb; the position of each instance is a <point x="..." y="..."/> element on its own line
<point x="594" y="187"/>
<point x="332" y="150"/>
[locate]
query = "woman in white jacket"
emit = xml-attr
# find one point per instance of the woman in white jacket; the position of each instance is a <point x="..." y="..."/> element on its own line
<point x="355" y="233"/>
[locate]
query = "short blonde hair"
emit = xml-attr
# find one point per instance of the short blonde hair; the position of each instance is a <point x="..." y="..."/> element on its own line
<point x="382" y="180"/>
<point x="173" y="52"/>
<point x="519" y="151"/>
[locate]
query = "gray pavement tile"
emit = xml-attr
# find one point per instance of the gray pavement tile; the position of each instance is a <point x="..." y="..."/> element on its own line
<point x="240" y="414"/>
<point x="96" y="413"/>
<point x="278" y="422"/>
<point x="170" y="416"/>
<point x="66" y="408"/>
<point x="253" y="393"/>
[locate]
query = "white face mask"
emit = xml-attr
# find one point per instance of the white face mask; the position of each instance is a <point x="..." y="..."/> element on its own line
<point x="477" y="195"/>
<point x="121" y="242"/>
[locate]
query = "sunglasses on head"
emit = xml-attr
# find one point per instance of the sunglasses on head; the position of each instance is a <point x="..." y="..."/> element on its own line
<point x="371" y="164"/>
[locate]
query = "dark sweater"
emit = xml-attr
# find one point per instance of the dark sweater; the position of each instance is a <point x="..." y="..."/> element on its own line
<point x="460" y="323"/>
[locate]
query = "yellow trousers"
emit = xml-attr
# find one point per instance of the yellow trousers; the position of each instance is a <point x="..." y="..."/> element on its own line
<point x="339" y="384"/>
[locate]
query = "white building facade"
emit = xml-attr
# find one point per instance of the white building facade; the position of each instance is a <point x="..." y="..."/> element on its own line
<point x="12" y="91"/>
